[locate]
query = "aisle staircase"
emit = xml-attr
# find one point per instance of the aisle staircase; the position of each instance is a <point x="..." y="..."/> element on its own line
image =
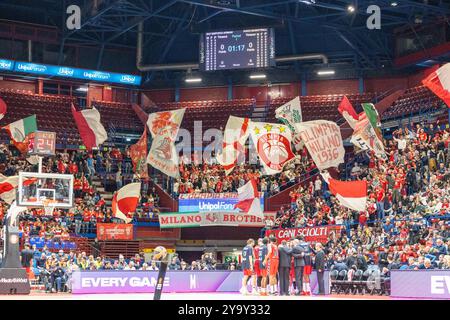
<point x="97" y="182"/>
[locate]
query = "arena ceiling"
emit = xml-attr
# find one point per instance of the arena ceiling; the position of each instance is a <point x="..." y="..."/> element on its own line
<point x="172" y="27"/>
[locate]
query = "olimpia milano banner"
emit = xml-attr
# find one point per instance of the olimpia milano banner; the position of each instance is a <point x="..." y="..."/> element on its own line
<point x="209" y="219"/>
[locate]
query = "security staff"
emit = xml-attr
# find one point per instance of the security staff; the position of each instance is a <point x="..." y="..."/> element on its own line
<point x="284" y="267"/>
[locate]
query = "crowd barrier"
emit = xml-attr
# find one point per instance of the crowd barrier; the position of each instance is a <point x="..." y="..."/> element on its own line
<point x="98" y="282"/>
<point x="420" y="284"/>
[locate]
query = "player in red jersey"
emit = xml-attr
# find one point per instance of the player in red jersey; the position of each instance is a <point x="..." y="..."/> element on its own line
<point x="256" y="286"/>
<point x="272" y="261"/>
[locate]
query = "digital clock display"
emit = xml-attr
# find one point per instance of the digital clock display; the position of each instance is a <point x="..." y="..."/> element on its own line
<point x="43" y="143"/>
<point x="241" y="49"/>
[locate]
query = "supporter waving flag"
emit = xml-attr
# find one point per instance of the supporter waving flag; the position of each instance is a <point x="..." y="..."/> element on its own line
<point x="2" y="108"/>
<point x="89" y="126"/>
<point x="248" y="197"/>
<point x="235" y="136"/>
<point x="164" y="128"/>
<point x="439" y="83"/>
<point x="125" y="201"/>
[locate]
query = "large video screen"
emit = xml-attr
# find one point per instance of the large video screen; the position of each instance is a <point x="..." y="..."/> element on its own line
<point x="210" y="202"/>
<point x="239" y="49"/>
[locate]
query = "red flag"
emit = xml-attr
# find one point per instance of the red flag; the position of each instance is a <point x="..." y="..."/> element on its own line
<point x="126" y="200"/>
<point x="138" y="154"/>
<point x="248" y="197"/>
<point x="439" y="83"/>
<point x="2" y="108"/>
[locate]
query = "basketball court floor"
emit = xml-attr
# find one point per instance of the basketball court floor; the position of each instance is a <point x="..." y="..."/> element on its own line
<point x="183" y="296"/>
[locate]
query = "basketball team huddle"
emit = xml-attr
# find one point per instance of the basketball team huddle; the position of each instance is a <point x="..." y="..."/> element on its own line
<point x="261" y="264"/>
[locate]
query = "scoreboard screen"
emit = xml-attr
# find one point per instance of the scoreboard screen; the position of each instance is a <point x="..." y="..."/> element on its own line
<point x="43" y="143"/>
<point x="241" y="49"/>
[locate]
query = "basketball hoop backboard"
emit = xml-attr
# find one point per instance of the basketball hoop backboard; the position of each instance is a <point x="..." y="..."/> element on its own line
<point x="45" y="189"/>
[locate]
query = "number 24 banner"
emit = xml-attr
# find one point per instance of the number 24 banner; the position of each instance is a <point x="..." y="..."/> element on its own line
<point x="324" y="142"/>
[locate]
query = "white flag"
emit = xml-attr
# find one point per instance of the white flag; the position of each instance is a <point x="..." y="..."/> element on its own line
<point x="324" y="142"/>
<point x="290" y="113"/>
<point x="235" y="136"/>
<point x="164" y="128"/>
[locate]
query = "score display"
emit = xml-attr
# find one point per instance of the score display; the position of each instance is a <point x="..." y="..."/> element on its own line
<point x="42" y="143"/>
<point x="239" y="49"/>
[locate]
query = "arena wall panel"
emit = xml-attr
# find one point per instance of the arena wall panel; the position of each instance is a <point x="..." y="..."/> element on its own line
<point x="156" y="96"/>
<point x="319" y="87"/>
<point x="385" y="84"/>
<point x="18" y="85"/>
<point x="216" y="93"/>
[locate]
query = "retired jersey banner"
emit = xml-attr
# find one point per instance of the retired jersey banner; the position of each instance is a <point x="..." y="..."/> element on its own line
<point x="209" y="202"/>
<point x="164" y="128"/>
<point x="273" y="144"/>
<point x="138" y="153"/>
<point x="312" y="234"/>
<point x="209" y="219"/>
<point x="324" y="142"/>
<point x="114" y="231"/>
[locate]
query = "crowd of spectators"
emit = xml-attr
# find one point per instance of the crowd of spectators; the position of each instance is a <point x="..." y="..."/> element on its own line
<point x="112" y="168"/>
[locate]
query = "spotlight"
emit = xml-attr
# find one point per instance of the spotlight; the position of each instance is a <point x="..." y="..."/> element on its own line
<point x="351" y="9"/>
<point x="193" y="79"/>
<point x="258" y="76"/>
<point x="394" y="4"/>
<point x="325" y="72"/>
<point x="82" y="89"/>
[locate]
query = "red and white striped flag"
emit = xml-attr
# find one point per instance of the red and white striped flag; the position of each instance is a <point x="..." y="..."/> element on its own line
<point x="8" y="187"/>
<point x="89" y="126"/>
<point x="126" y="200"/>
<point x="249" y="201"/>
<point x="351" y="194"/>
<point x="235" y="135"/>
<point x="439" y="83"/>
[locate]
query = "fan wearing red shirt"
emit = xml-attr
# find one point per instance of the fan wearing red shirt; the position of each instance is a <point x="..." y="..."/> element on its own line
<point x="380" y="194"/>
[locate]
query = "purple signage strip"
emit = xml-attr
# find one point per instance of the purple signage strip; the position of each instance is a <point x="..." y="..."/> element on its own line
<point x="422" y="284"/>
<point x="91" y="282"/>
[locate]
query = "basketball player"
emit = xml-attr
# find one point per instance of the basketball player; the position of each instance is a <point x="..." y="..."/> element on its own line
<point x="272" y="261"/>
<point x="263" y="250"/>
<point x="256" y="285"/>
<point x="247" y="264"/>
<point x="307" y="269"/>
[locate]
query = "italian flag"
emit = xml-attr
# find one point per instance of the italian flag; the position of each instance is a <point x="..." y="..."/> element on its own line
<point x="351" y="194"/>
<point x="20" y="131"/>
<point x="439" y="83"/>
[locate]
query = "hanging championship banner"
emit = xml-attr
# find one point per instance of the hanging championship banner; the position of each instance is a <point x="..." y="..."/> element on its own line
<point x="324" y="142"/>
<point x="290" y="113"/>
<point x="273" y="144"/>
<point x="164" y="128"/>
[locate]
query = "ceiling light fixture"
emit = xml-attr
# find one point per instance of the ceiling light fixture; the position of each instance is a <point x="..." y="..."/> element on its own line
<point x="325" y="72"/>
<point x="258" y="76"/>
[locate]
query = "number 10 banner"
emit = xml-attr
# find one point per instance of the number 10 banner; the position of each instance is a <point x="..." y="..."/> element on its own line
<point x="324" y="142"/>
